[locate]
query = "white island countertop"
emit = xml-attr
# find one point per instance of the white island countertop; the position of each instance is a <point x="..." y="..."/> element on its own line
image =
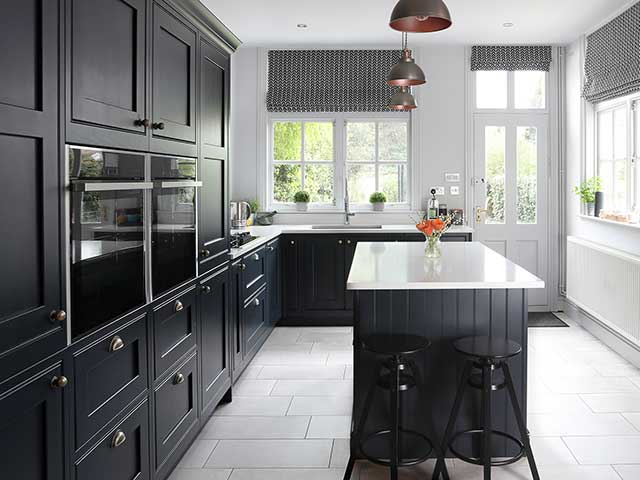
<point x="462" y="266"/>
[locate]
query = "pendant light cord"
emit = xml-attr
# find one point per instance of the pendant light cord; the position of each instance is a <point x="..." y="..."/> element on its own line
<point x="404" y="40"/>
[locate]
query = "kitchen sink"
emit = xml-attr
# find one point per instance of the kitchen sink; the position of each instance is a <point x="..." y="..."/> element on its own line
<point x="345" y="227"/>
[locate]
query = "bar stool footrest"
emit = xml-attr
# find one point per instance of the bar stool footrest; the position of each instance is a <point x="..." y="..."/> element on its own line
<point x="408" y="439"/>
<point x="479" y="461"/>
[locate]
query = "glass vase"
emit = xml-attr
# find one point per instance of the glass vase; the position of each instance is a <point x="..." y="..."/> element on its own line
<point x="432" y="247"/>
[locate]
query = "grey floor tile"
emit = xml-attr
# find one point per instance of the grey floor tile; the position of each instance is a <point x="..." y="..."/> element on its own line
<point x="519" y="472"/>
<point x="287" y="474"/>
<point x="247" y="427"/>
<point x="320" y="406"/>
<point x="628" y="472"/>
<point x="250" y="387"/>
<point x="566" y="424"/>
<point x="613" y="402"/>
<point x="322" y="337"/>
<point x="197" y="454"/>
<point x="551" y="451"/>
<point x="271" y="454"/>
<point x="270" y="406"/>
<point x="605" y="450"/>
<point x="251" y="372"/>
<point x="634" y="419"/>
<point x="340" y="453"/>
<point x="338" y="426"/>
<point x="348" y="372"/>
<point x="308" y="372"/>
<point x="309" y="388"/>
<point x="558" y="384"/>
<point x="340" y="358"/>
<point x="294" y="347"/>
<point x="289" y="358"/>
<point x="200" y="474"/>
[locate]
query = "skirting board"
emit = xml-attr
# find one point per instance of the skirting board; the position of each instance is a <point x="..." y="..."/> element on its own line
<point x="614" y="340"/>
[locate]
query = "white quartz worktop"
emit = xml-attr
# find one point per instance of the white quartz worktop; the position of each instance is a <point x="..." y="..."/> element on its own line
<point x="267" y="233"/>
<point x="463" y="265"/>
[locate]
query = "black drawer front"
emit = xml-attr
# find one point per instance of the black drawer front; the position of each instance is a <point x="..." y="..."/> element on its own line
<point x="123" y="453"/>
<point x="253" y="273"/>
<point x="254" y="319"/>
<point x="176" y="412"/>
<point x="109" y="375"/>
<point x="174" y="326"/>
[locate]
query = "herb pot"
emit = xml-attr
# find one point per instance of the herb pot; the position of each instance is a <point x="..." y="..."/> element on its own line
<point x="302" y="206"/>
<point x="591" y="208"/>
<point x="378" y="206"/>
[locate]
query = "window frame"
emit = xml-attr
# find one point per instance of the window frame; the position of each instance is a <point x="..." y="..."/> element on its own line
<point x="631" y="104"/>
<point x="511" y="96"/>
<point x="339" y="159"/>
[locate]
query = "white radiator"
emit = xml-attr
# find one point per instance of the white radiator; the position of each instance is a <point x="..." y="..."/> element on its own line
<point x="606" y="284"/>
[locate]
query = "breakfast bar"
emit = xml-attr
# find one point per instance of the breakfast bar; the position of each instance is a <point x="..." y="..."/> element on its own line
<point x="469" y="291"/>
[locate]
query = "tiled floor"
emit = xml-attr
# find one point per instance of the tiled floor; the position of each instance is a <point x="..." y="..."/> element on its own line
<point x="289" y="419"/>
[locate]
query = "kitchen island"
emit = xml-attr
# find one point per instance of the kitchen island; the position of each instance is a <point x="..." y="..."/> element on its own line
<point x="471" y="290"/>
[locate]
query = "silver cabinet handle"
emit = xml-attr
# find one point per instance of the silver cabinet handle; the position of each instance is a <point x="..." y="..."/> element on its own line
<point x="348" y="242"/>
<point x="118" y="439"/>
<point x="178" y="306"/>
<point x="59" y="382"/>
<point x="293" y="242"/>
<point x="58" y="316"/>
<point x="271" y="249"/>
<point x="205" y="289"/>
<point x="178" y="379"/>
<point x="242" y="266"/>
<point x="256" y="302"/>
<point x="339" y="242"/>
<point x="116" y="344"/>
<point x="256" y="257"/>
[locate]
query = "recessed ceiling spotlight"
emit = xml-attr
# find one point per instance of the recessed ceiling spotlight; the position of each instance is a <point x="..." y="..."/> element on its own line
<point x="303" y="25"/>
<point x="508" y="24"/>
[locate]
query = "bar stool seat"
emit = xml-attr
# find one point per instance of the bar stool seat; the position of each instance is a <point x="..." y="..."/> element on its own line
<point x="487" y="348"/>
<point x="395" y="344"/>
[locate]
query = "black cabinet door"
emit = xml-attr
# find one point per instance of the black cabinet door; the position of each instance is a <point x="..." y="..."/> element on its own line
<point x="106" y="81"/>
<point x="254" y="323"/>
<point x="291" y="261"/>
<point x="323" y="272"/>
<point x="31" y="429"/>
<point x="30" y="185"/>
<point x="274" y="281"/>
<point x="174" y="82"/>
<point x="235" y="317"/>
<point x="213" y="224"/>
<point x="214" y="100"/>
<point x="123" y="453"/>
<point x="215" y="357"/>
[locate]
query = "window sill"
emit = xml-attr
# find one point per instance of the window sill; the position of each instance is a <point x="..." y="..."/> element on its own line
<point x="635" y="226"/>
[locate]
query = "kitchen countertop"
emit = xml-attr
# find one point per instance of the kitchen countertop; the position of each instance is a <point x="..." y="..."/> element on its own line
<point x="267" y="233"/>
<point x="463" y="265"/>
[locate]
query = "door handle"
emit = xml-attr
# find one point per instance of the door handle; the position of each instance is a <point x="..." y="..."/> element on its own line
<point x="118" y="439"/>
<point x="59" y="381"/>
<point x="116" y="344"/>
<point x="178" y="379"/>
<point x="479" y="212"/>
<point x="178" y="306"/>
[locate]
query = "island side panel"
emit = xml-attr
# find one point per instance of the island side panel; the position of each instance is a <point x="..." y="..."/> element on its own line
<point x="442" y="316"/>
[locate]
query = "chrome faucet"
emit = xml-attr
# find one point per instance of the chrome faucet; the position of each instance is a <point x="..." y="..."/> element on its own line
<point x="347" y="212"/>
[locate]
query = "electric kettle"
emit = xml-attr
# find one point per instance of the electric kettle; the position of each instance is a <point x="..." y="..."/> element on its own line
<point x="240" y="213"/>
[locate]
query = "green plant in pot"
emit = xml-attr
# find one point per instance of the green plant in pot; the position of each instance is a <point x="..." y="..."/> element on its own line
<point x="255" y="206"/>
<point x="378" y="199"/>
<point x="587" y="192"/>
<point x="301" y="199"/>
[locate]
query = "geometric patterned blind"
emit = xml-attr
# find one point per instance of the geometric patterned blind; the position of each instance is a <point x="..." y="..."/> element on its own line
<point x="508" y="57"/>
<point x="330" y="80"/>
<point x="612" y="62"/>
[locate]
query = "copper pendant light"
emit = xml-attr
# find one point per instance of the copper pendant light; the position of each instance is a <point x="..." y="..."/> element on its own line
<point x="406" y="72"/>
<point x="402" y="100"/>
<point x="420" y="16"/>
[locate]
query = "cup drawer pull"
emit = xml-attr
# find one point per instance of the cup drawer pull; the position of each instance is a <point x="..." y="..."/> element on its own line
<point x="116" y="344"/>
<point x="178" y="379"/>
<point x="118" y="439"/>
<point x="178" y="306"/>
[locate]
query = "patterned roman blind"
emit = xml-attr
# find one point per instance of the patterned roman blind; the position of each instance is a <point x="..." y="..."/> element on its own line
<point x="330" y="80"/>
<point x="511" y="57"/>
<point x="612" y="63"/>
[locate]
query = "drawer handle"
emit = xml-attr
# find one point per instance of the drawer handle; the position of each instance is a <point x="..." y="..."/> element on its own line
<point x="293" y="242"/>
<point x="157" y="126"/>
<point x="271" y="249"/>
<point x="242" y="266"/>
<point x="256" y="257"/>
<point x="58" y="316"/>
<point x="118" y="439"/>
<point x="205" y="289"/>
<point x="348" y="242"/>
<point x="59" y="381"/>
<point x="142" y="123"/>
<point x="178" y="379"/>
<point x="339" y="242"/>
<point x="116" y="344"/>
<point x="205" y="253"/>
<point x="178" y="306"/>
<point x="256" y="302"/>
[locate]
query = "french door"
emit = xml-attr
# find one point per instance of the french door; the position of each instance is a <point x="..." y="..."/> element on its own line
<point x="511" y="209"/>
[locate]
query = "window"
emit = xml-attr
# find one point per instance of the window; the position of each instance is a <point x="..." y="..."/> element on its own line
<point x="616" y="126"/>
<point x="519" y="90"/>
<point x="317" y="155"/>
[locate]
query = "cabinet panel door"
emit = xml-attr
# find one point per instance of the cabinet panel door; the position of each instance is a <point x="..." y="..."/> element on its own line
<point x="323" y="267"/>
<point x="30" y="187"/>
<point x="214" y="328"/>
<point x="214" y="99"/>
<point x="235" y="316"/>
<point x="213" y="214"/>
<point x="31" y="430"/>
<point x="274" y="281"/>
<point x="254" y="320"/>
<point x="107" y="56"/>
<point x="174" y="78"/>
<point x="291" y="261"/>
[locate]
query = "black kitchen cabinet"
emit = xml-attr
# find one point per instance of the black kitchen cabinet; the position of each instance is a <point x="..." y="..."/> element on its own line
<point x="215" y="338"/>
<point x="323" y="258"/>
<point x="107" y="81"/>
<point x="291" y="263"/>
<point x="32" y="317"/>
<point x="173" y="92"/>
<point x="213" y="225"/>
<point x="235" y="310"/>
<point x="214" y="100"/>
<point x="274" y="281"/>
<point x="255" y="323"/>
<point x="31" y="427"/>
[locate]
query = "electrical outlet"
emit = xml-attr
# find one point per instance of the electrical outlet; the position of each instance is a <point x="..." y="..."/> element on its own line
<point x="454" y="190"/>
<point x="439" y="190"/>
<point x="451" y="177"/>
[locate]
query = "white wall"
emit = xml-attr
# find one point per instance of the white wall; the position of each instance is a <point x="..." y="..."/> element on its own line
<point x="439" y="142"/>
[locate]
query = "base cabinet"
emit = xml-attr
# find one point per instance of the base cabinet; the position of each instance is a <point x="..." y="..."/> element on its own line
<point x="274" y="281"/>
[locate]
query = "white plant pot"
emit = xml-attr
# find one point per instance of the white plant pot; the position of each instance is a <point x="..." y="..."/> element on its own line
<point x="302" y="206"/>
<point x="378" y="206"/>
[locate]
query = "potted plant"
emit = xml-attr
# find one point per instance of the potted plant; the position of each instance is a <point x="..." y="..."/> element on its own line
<point x="378" y="199"/>
<point x="302" y="200"/>
<point x="255" y="206"/>
<point x="587" y="192"/>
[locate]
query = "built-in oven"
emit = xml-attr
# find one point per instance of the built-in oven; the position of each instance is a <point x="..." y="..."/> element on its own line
<point x="107" y="223"/>
<point x="173" y="225"/>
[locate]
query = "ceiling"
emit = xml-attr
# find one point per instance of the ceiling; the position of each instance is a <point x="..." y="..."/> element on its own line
<point x="365" y="22"/>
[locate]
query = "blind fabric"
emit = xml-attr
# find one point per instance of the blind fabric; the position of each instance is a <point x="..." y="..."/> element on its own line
<point x="612" y="62"/>
<point x="330" y="80"/>
<point x="511" y="57"/>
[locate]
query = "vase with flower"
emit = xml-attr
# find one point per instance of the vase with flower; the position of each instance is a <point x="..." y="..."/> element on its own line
<point x="433" y="230"/>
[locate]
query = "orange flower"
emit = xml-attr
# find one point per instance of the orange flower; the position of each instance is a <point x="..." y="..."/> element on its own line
<point x="437" y="224"/>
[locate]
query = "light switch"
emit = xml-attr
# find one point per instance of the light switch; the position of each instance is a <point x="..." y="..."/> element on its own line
<point x="439" y="190"/>
<point x="451" y="177"/>
<point x="454" y="190"/>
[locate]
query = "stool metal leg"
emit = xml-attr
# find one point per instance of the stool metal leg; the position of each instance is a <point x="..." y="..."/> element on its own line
<point x="520" y="419"/>
<point x="487" y="422"/>
<point x="440" y="467"/>
<point x="395" y="424"/>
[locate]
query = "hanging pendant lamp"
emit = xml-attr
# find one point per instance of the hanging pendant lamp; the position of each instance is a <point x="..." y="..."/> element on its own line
<point x="402" y="100"/>
<point x="420" y="16"/>
<point x="406" y="72"/>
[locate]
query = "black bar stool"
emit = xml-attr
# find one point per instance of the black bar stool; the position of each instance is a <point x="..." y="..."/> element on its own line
<point x="487" y="370"/>
<point x="395" y="372"/>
